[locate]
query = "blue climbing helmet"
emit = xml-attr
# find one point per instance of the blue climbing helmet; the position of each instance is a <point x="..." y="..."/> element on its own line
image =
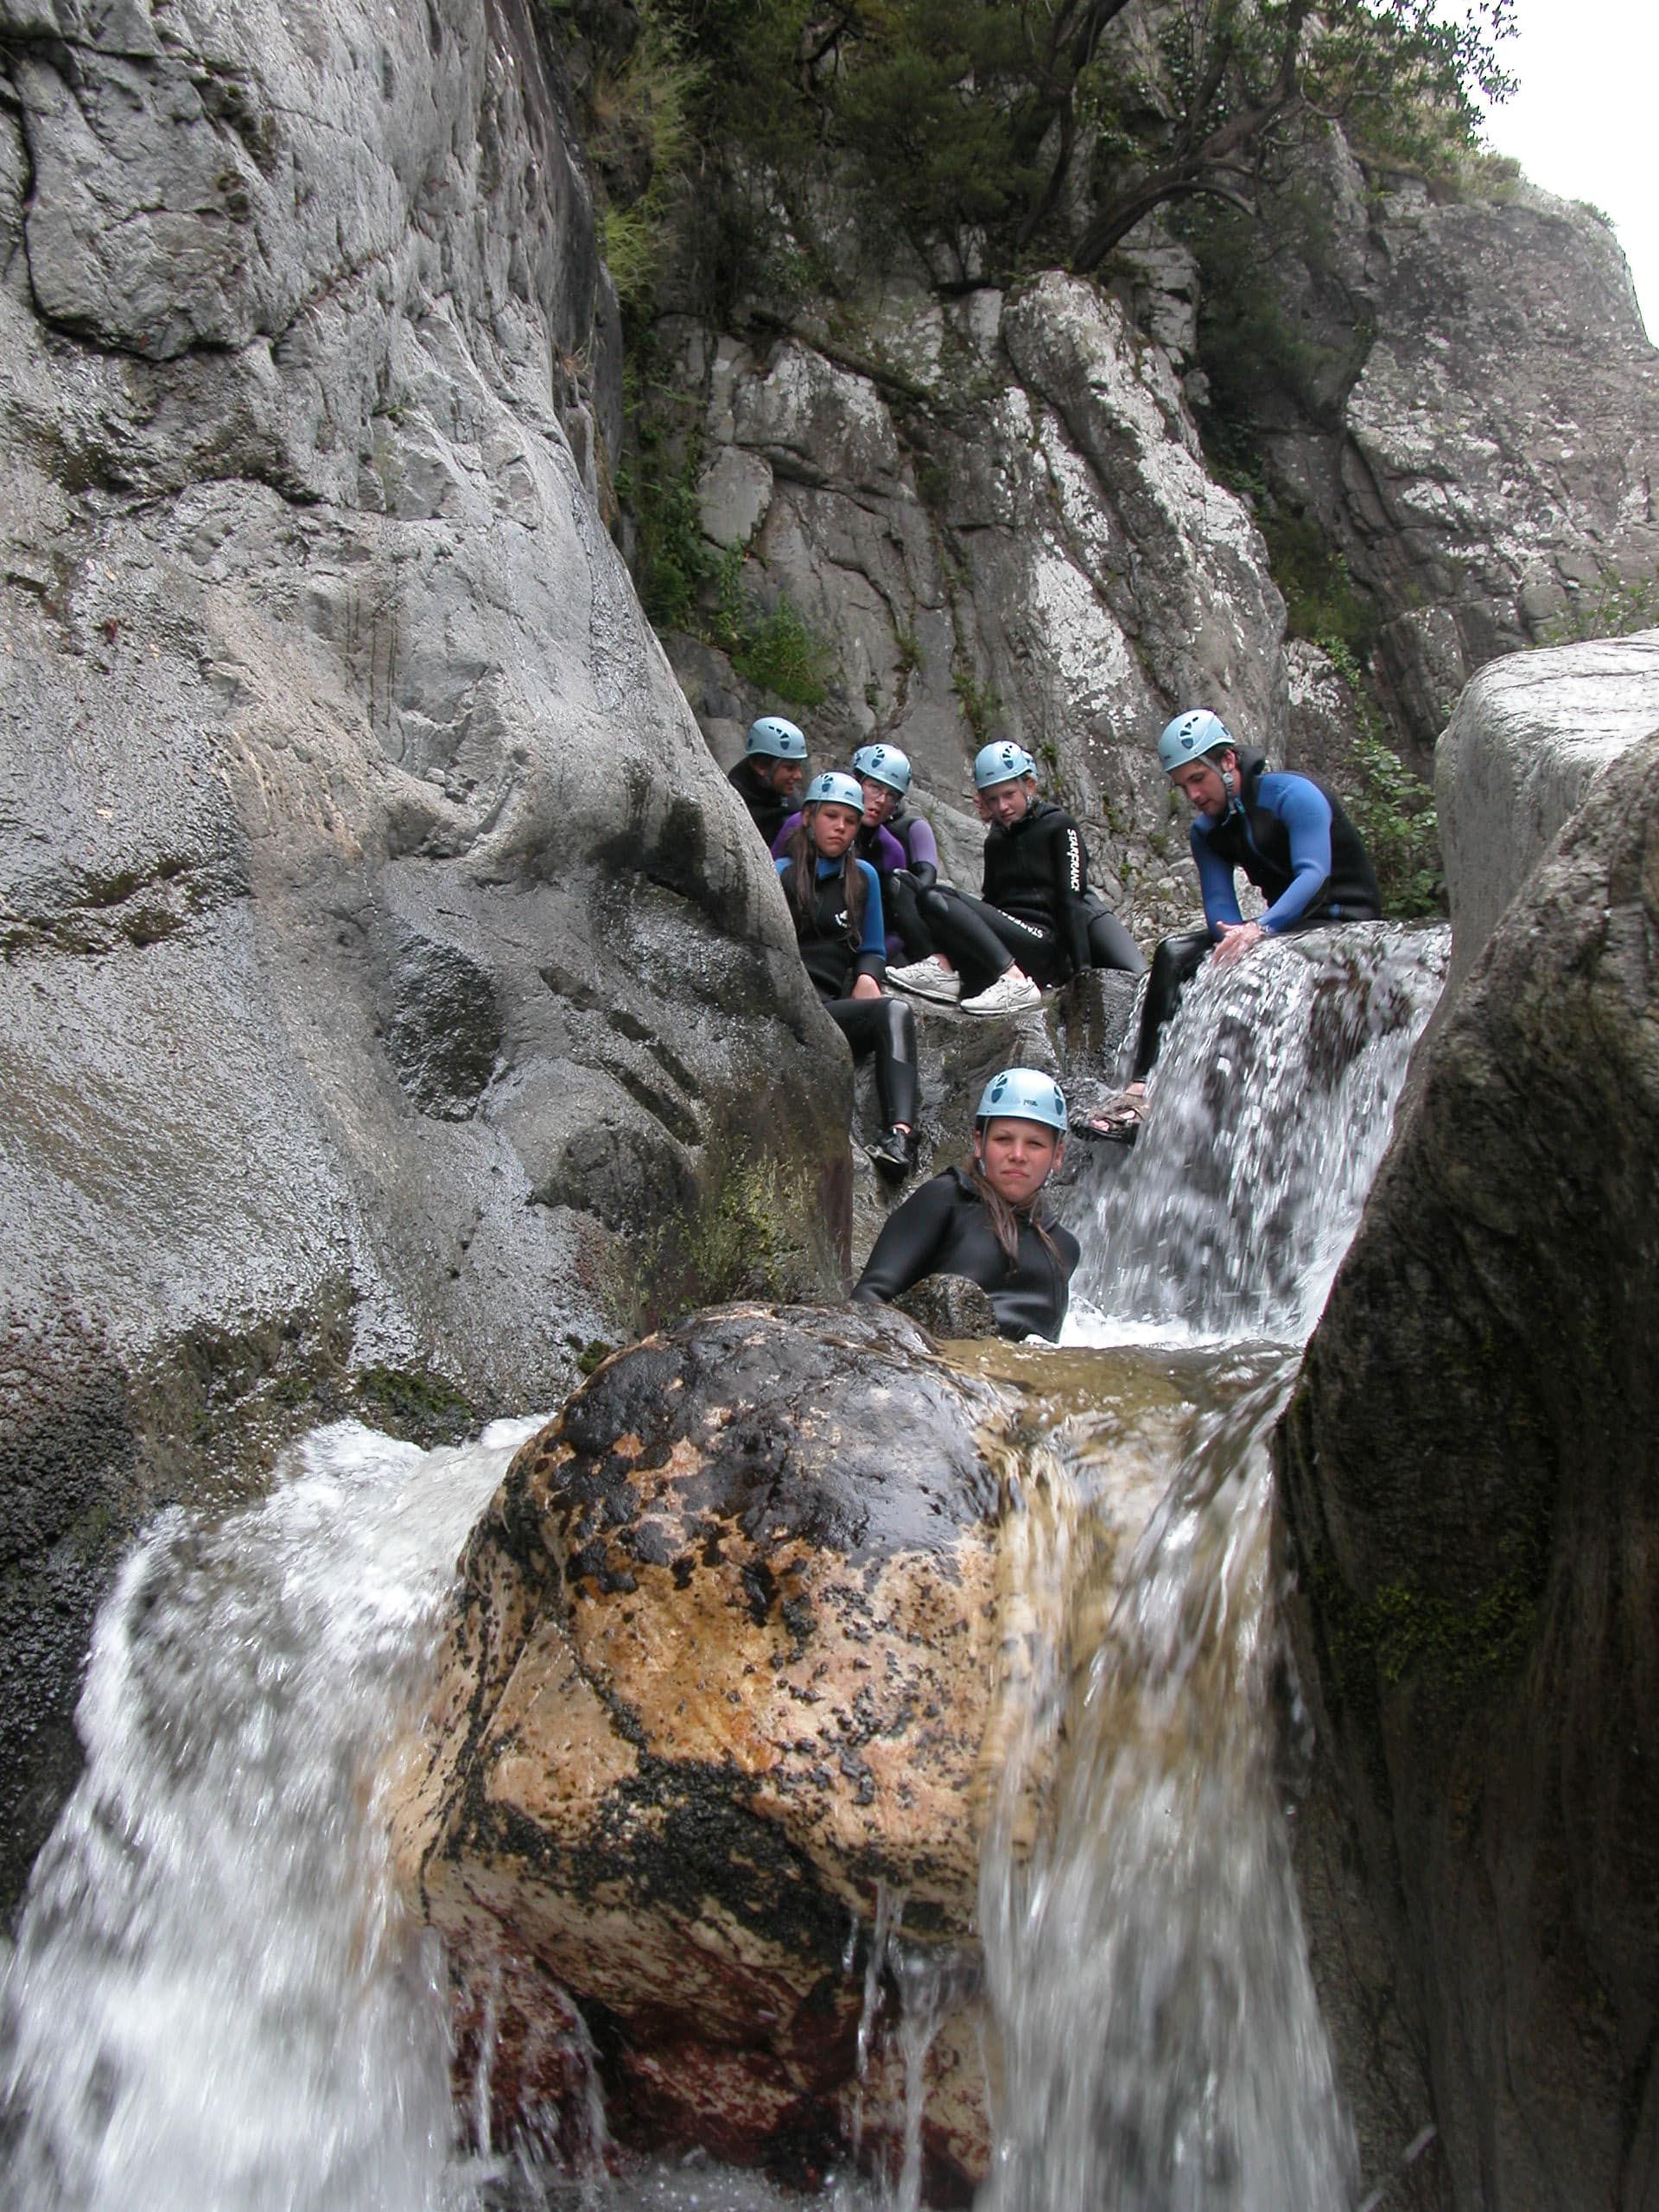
<point x="1002" y="763"/>
<point x="835" y="789"/>
<point x="883" y="764"/>
<point x="1023" y="1095"/>
<point x="775" y="737"/>
<point x="1190" y="736"/>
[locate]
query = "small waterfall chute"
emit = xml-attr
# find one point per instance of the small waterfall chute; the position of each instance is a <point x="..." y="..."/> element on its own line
<point x="1271" y="1107"/>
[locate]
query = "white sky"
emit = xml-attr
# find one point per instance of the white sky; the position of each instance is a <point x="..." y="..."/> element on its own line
<point x="1582" y="123"/>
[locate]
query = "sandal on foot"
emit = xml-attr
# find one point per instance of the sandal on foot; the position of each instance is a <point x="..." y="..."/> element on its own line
<point x="1118" y="1123"/>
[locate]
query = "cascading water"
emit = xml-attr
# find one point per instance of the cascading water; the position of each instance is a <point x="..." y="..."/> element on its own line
<point x="1272" y="1103"/>
<point x="1161" y="2039"/>
<point x="214" y="2001"/>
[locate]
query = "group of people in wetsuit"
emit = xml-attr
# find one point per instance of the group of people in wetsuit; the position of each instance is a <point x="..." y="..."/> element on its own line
<point x="860" y="873"/>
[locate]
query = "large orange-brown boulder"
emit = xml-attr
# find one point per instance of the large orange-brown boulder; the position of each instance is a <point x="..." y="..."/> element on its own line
<point x="715" y="1691"/>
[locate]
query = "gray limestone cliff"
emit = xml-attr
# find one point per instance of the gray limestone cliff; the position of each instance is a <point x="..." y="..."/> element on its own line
<point x="1466" y="411"/>
<point x="385" y="956"/>
<point x="1407" y="433"/>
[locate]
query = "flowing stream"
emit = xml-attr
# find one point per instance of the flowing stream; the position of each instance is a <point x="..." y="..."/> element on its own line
<point x="214" y="2004"/>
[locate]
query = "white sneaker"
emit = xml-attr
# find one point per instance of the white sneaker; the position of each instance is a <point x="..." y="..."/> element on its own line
<point x="927" y="979"/>
<point x="1010" y="994"/>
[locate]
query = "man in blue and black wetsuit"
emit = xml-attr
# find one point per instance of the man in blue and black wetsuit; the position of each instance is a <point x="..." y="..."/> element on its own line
<point x="1292" y="841"/>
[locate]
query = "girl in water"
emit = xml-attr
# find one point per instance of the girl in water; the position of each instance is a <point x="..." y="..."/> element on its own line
<point x="836" y="902"/>
<point x="985" y="1220"/>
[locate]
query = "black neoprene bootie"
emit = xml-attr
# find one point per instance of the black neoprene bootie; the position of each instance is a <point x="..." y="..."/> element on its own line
<point x="890" y="1155"/>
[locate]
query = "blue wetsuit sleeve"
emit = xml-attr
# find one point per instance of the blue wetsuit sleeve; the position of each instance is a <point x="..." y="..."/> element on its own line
<point x="1305" y="812"/>
<point x="780" y="842"/>
<point x="873" y="939"/>
<point x="910" y="1236"/>
<point x="1215" y="882"/>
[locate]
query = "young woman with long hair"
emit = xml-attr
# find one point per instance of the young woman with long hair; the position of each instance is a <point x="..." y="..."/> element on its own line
<point x="835" y="903"/>
<point x="985" y="1219"/>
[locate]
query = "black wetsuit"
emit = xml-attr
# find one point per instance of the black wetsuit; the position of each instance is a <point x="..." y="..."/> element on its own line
<point x="768" y="810"/>
<point x="1307" y="862"/>
<point x="943" y="1229"/>
<point x="1036" y="908"/>
<point x="837" y="954"/>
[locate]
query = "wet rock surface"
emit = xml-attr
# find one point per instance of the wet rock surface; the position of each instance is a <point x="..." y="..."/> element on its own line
<point x="383" y="951"/>
<point x="951" y="1306"/>
<point x="719" y="1674"/>
<point x="1468" y="1490"/>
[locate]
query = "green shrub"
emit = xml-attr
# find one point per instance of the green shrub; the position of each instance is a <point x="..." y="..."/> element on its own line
<point x="773" y="647"/>
<point x="782" y="654"/>
<point x="1613" y="609"/>
<point x="640" y="135"/>
<point x="980" y="703"/>
<point x="1392" y="809"/>
<point x="1321" y="599"/>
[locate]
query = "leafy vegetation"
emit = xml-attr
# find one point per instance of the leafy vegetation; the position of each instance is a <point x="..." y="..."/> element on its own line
<point x="1321" y="599"/>
<point x="1392" y="809"/>
<point x="998" y="132"/>
<point x="684" y="583"/>
<point x="982" y="126"/>
<point x="1613" y="609"/>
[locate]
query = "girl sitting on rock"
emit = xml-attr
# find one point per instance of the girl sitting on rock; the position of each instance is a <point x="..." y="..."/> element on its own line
<point x="836" y="902"/>
<point x="1038" y="923"/>
<point x="985" y="1221"/>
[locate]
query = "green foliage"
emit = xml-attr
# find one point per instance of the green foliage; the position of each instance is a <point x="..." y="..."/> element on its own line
<point x="1613" y="609"/>
<point x="658" y="486"/>
<point x="980" y="704"/>
<point x="777" y="650"/>
<point x="1392" y="809"/>
<point x="970" y="123"/>
<point x="683" y="583"/>
<point x="639" y="129"/>
<point x="1395" y="814"/>
<point x="1321" y="599"/>
<point x="921" y="114"/>
<point x="773" y="647"/>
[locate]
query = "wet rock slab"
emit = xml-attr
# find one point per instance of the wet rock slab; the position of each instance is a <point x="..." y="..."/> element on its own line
<point x="717" y="1678"/>
<point x="1468" y="1485"/>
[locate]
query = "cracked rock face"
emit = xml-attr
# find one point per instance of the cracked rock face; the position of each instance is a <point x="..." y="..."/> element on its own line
<point x="720" y="1664"/>
<point x="1004" y="527"/>
<point x="383" y="947"/>
<point x="1481" y="441"/>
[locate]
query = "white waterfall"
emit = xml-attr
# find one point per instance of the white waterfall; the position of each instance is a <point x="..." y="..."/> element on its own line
<point x="214" y="2004"/>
